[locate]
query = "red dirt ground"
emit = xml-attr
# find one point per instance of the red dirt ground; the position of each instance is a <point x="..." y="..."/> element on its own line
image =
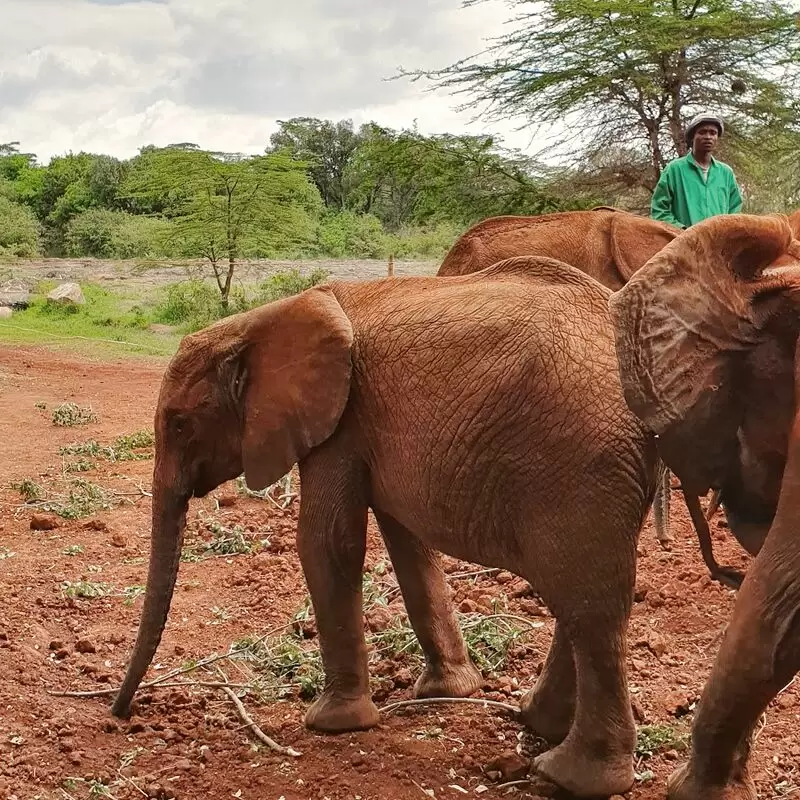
<point x="187" y="742"/>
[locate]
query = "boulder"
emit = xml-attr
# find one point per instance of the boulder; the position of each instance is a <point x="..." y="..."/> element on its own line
<point x="67" y="294"/>
<point x="14" y="295"/>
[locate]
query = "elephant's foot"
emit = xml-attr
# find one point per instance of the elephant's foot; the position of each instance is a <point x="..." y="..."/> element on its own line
<point x="332" y="713"/>
<point x="548" y="714"/>
<point x="681" y="785"/>
<point x="728" y="576"/>
<point x="454" y="680"/>
<point x="584" y="775"/>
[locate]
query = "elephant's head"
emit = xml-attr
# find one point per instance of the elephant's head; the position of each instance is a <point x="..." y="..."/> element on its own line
<point x="253" y="393"/>
<point x="706" y="335"/>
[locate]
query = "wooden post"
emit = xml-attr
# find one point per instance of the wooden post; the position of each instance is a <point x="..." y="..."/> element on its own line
<point x="390" y="271"/>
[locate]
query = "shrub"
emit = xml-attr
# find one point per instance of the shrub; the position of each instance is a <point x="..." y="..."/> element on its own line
<point x="102" y="233"/>
<point x="19" y="230"/>
<point x="285" y="284"/>
<point x="192" y="305"/>
<point x="355" y="235"/>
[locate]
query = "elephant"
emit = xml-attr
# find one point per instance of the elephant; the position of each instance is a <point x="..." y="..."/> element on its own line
<point x="474" y="416"/>
<point x="607" y="243"/>
<point x="610" y="245"/>
<point x="706" y="335"/>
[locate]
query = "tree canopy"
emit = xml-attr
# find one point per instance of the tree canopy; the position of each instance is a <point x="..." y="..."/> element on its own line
<point x="623" y="76"/>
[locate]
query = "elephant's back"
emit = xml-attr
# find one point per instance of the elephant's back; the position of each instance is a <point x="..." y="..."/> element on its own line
<point x="579" y="236"/>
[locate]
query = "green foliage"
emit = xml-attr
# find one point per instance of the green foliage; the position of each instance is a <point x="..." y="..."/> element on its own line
<point x="103" y="233"/>
<point x="629" y="73"/>
<point x="192" y="305"/>
<point x="351" y="234"/>
<point x="328" y="149"/>
<point x="225" y="207"/>
<point x="68" y="415"/>
<point x="19" y="230"/>
<point x="285" y="284"/>
<point x="653" y="739"/>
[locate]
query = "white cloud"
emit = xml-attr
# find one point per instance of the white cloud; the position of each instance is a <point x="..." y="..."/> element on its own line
<point x="113" y="75"/>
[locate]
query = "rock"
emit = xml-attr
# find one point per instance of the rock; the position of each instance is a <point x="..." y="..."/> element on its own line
<point x="205" y="753"/>
<point x="5" y="312"/>
<point x="510" y="765"/>
<point x="656" y="644"/>
<point x="56" y="644"/>
<point x="638" y="711"/>
<point x="118" y="540"/>
<point x="67" y="294"/>
<point x="43" y="522"/>
<point x="14" y="295"/>
<point x="94" y="525"/>
<point x="403" y="678"/>
<point x="85" y="646"/>
<point x="226" y="500"/>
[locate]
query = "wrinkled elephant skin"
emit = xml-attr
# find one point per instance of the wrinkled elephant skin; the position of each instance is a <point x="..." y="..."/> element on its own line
<point x="481" y="416"/>
<point x="707" y="342"/>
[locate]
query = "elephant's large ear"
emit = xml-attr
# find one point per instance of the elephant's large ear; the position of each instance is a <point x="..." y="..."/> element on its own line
<point x="296" y="378"/>
<point x="635" y="240"/>
<point x="685" y="322"/>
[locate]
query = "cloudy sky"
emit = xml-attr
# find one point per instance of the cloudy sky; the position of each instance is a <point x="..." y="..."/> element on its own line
<point x="113" y="75"/>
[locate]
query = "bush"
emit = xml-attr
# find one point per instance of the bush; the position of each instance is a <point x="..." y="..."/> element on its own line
<point x="19" y="230"/>
<point x="423" y="243"/>
<point x="102" y="233"/>
<point x="285" y="284"/>
<point x="354" y="235"/>
<point x="192" y="305"/>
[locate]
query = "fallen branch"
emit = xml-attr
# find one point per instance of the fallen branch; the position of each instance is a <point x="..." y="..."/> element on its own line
<point x="257" y="732"/>
<point x="513" y="710"/>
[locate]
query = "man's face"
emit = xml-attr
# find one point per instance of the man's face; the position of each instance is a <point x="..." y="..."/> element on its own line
<point x="705" y="138"/>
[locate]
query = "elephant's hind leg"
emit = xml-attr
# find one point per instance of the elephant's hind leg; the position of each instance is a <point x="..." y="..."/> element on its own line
<point x="595" y="759"/>
<point x="331" y="541"/>
<point x="549" y="707"/>
<point x="448" y="670"/>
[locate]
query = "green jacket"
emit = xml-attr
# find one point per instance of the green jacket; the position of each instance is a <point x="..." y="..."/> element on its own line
<point x="683" y="198"/>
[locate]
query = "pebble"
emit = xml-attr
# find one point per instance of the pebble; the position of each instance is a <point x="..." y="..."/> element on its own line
<point x="43" y="522"/>
<point x="85" y="646"/>
<point x="509" y="765"/>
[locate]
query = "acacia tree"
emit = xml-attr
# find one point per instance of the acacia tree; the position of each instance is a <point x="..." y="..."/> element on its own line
<point x="224" y="206"/>
<point x="628" y="73"/>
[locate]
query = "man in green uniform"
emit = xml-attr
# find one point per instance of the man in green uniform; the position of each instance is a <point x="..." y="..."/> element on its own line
<point x="697" y="185"/>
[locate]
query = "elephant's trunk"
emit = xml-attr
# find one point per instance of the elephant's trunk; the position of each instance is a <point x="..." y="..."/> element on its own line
<point x="169" y="520"/>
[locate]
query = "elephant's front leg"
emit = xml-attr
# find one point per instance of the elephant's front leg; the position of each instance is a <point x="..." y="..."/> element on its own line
<point x="448" y="672"/>
<point x="332" y="544"/>
<point x="759" y="655"/>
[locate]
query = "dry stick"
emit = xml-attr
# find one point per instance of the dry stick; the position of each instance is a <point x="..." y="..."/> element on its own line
<point x="470" y="700"/>
<point x="257" y="732"/>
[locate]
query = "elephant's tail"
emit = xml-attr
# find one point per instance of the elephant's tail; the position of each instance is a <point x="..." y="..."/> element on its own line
<point x="661" y="506"/>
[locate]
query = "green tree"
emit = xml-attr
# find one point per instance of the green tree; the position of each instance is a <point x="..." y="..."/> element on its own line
<point x="224" y="206"/>
<point x="628" y="73"/>
<point x="328" y="148"/>
<point x="406" y="178"/>
<point x="19" y="229"/>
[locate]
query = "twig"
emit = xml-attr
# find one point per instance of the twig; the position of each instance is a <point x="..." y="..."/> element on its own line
<point x="257" y="732"/>
<point x="523" y="782"/>
<point x="470" y="700"/>
<point x="133" y="783"/>
<point x="531" y="625"/>
<point x="491" y="571"/>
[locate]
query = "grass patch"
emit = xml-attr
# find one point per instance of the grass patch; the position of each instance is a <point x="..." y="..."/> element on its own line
<point x="68" y="415"/>
<point x="78" y="498"/>
<point x="653" y="739"/>
<point x="129" y="447"/>
<point x="224" y="542"/>
<point x="109" y="322"/>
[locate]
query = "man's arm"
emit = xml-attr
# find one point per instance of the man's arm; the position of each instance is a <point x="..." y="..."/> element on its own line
<point x="661" y="204"/>
<point x="734" y="197"/>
